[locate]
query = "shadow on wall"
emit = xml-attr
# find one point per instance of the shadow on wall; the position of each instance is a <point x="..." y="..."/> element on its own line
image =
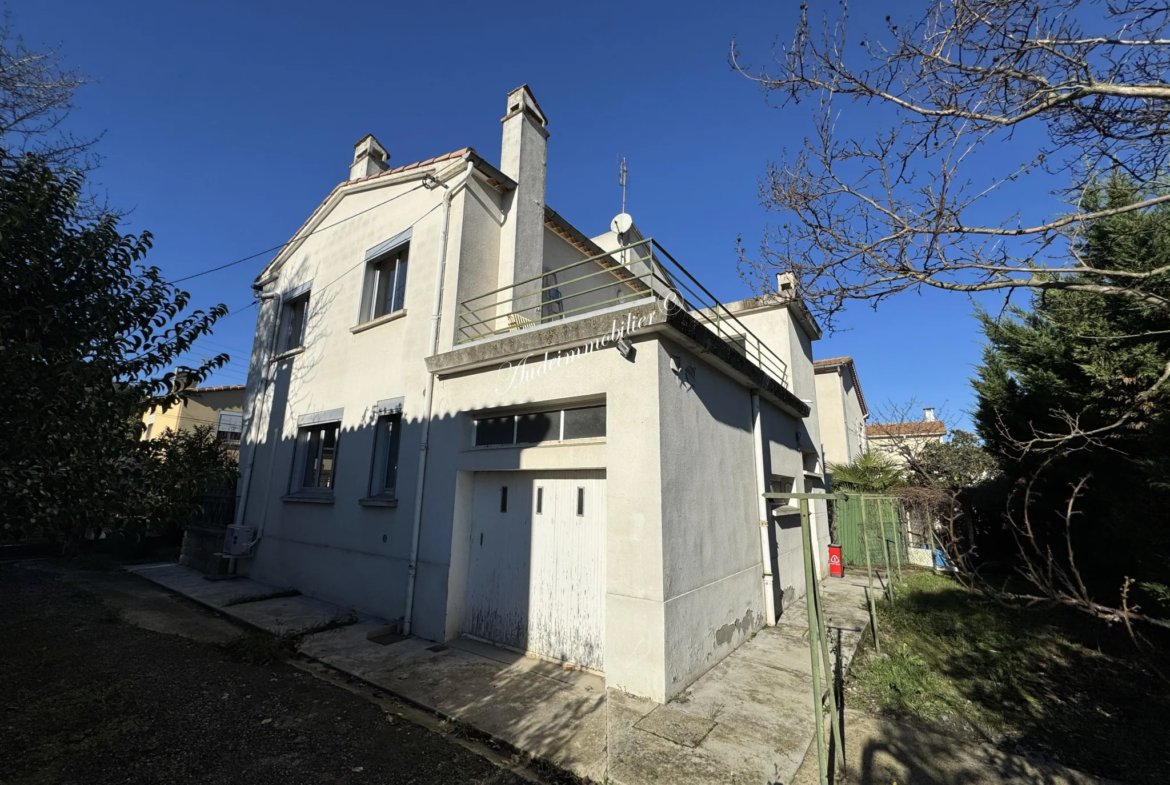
<point x="335" y="503"/>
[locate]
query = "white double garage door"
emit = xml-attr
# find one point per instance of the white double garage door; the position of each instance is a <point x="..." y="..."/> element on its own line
<point x="536" y="576"/>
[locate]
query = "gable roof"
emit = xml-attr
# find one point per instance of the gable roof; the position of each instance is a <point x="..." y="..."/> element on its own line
<point x="832" y="364"/>
<point x="881" y="430"/>
<point x="493" y="175"/>
<point x="220" y="388"/>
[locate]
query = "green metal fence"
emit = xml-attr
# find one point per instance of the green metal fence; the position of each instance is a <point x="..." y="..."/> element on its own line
<point x="884" y="523"/>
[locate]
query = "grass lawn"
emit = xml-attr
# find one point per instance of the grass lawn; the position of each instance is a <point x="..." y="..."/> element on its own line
<point x="1042" y="680"/>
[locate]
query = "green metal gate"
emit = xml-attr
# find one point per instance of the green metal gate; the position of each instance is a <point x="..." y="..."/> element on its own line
<point x="884" y="523"/>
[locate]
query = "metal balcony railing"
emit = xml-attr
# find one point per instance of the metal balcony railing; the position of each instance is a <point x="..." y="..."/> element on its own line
<point x="640" y="271"/>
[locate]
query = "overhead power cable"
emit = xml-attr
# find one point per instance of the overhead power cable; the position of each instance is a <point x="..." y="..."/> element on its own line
<point x="283" y="245"/>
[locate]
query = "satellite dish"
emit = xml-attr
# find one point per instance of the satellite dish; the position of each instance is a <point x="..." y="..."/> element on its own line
<point x="622" y="223"/>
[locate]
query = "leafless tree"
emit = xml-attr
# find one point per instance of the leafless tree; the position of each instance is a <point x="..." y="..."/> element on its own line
<point x="875" y="212"/>
<point x="1048" y="560"/>
<point x="36" y="94"/>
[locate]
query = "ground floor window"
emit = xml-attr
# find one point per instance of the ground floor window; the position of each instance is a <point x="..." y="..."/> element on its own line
<point x="583" y="422"/>
<point x="384" y="478"/>
<point x="315" y="466"/>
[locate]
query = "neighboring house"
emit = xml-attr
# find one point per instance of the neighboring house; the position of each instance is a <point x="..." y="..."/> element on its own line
<point x="895" y="439"/>
<point x="467" y="416"/>
<point x="841" y="410"/>
<point x="221" y="408"/>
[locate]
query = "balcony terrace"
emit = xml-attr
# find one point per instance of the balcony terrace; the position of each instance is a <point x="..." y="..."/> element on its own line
<point x="639" y="274"/>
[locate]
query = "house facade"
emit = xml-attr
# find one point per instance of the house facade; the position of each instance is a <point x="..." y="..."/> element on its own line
<point x="841" y="410"/>
<point x="220" y="408"/>
<point x="466" y="416"/>
<point x="900" y="439"/>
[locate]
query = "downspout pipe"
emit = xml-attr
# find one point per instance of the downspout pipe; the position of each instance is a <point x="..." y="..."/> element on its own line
<point x="428" y="399"/>
<point x="762" y="509"/>
<point x="262" y="394"/>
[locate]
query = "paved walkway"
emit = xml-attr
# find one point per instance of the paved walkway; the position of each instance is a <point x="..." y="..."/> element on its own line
<point x="747" y="720"/>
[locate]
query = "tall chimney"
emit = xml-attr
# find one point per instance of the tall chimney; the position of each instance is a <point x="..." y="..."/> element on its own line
<point x="928" y="414"/>
<point x="524" y="158"/>
<point x="369" y="157"/>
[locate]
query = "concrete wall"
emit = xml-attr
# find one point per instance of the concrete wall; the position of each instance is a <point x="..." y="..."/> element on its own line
<point x="842" y="421"/>
<point x="576" y="295"/>
<point x="629" y="454"/>
<point x="791" y="446"/>
<point x="345" y="552"/>
<point x="831" y="411"/>
<point x="712" y="581"/>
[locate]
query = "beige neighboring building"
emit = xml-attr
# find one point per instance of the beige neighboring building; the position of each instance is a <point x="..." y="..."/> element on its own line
<point x="891" y="438"/>
<point x="841" y="409"/>
<point x="219" y="407"/>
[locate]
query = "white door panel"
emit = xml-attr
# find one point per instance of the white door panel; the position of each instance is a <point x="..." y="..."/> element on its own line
<point x="537" y="573"/>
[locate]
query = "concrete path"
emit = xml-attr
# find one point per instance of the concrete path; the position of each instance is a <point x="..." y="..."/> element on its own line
<point x="747" y="720"/>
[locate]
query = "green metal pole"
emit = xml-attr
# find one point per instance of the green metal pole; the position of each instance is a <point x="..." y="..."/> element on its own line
<point x="837" y="731"/>
<point x="869" y="571"/>
<point x="889" y="586"/>
<point x="888" y="506"/>
<point x="813" y="634"/>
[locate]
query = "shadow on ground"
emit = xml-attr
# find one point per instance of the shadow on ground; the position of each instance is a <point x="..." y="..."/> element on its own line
<point x="1048" y="681"/>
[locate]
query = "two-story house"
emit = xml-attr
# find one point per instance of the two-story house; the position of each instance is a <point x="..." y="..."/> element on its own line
<point x="465" y="415"/>
<point x="841" y="410"/>
<point x="210" y="407"/>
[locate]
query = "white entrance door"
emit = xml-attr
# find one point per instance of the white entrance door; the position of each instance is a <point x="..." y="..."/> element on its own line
<point x="537" y="574"/>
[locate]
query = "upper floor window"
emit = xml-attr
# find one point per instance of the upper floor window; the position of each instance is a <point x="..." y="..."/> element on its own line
<point x="293" y="317"/>
<point x="385" y="285"/>
<point x="229" y="426"/>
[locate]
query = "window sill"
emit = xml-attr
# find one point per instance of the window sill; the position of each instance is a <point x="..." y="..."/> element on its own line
<point x="378" y="501"/>
<point x="308" y="498"/>
<point x="375" y="322"/>
<point x="288" y="354"/>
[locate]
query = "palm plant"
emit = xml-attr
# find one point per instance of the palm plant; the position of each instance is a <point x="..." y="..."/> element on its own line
<point x="870" y="472"/>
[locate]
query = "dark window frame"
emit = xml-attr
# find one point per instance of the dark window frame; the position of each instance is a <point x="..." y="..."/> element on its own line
<point x="310" y="455"/>
<point x="294" y="316"/>
<point x="494" y="431"/>
<point x="384" y="290"/>
<point x="387" y="450"/>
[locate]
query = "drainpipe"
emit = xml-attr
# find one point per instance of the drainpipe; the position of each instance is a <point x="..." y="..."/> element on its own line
<point x="436" y="314"/>
<point x="762" y="509"/>
<point x="265" y="384"/>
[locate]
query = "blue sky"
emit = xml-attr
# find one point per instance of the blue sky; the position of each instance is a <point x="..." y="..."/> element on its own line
<point x="226" y="125"/>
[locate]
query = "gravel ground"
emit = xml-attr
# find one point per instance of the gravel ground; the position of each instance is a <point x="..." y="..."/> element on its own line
<point x="88" y="698"/>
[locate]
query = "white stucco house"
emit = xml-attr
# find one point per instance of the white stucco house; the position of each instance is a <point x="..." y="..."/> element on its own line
<point x="467" y="416"/>
<point x="841" y="410"/>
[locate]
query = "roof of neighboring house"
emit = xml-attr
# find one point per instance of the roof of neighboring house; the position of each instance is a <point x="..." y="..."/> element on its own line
<point x="220" y="388"/>
<point x="494" y="176"/>
<point x="924" y="428"/>
<point x="832" y="364"/>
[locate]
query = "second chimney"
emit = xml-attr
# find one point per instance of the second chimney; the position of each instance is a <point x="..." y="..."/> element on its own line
<point x="369" y="157"/>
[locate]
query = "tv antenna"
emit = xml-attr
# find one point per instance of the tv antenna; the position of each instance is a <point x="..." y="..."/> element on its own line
<point x="622" y="171"/>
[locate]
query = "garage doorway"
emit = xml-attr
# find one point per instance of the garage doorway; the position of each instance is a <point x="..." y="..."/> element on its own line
<point x="536" y="577"/>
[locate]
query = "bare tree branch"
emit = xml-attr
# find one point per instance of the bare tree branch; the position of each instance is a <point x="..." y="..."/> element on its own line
<point x="36" y="94"/>
<point x="870" y="214"/>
